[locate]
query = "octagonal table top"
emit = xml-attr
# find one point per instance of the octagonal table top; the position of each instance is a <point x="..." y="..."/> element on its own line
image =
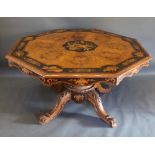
<point x="78" y="53"/>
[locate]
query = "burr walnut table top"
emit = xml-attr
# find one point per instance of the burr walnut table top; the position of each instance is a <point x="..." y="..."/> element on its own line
<point x="78" y="53"/>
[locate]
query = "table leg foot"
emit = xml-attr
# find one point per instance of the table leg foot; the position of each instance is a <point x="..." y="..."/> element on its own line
<point x="95" y="100"/>
<point x="61" y="101"/>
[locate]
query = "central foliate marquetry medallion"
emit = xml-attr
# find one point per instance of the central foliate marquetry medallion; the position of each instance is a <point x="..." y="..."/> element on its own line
<point x="80" y="46"/>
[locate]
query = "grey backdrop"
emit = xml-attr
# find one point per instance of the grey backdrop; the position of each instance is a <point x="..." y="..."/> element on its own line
<point x="22" y="98"/>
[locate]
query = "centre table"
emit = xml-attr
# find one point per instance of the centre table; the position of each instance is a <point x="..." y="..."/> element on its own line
<point x="79" y="63"/>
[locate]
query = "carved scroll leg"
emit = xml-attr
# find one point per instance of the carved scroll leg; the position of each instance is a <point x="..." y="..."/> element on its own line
<point x="61" y="101"/>
<point x="101" y="89"/>
<point x="95" y="100"/>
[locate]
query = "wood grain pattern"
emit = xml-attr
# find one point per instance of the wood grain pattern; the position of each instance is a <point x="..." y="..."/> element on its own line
<point x="70" y="52"/>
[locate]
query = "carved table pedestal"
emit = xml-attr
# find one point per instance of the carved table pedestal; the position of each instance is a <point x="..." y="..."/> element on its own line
<point x="78" y="94"/>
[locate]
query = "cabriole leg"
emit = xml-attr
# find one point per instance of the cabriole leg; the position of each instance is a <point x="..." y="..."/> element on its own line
<point x="95" y="100"/>
<point x="61" y="101"/>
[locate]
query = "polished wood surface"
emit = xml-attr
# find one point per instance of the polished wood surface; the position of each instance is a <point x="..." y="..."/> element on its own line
<point x="50" y="50"/>
<point x="70" y="53"/>
<point x="79" y="63"/>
